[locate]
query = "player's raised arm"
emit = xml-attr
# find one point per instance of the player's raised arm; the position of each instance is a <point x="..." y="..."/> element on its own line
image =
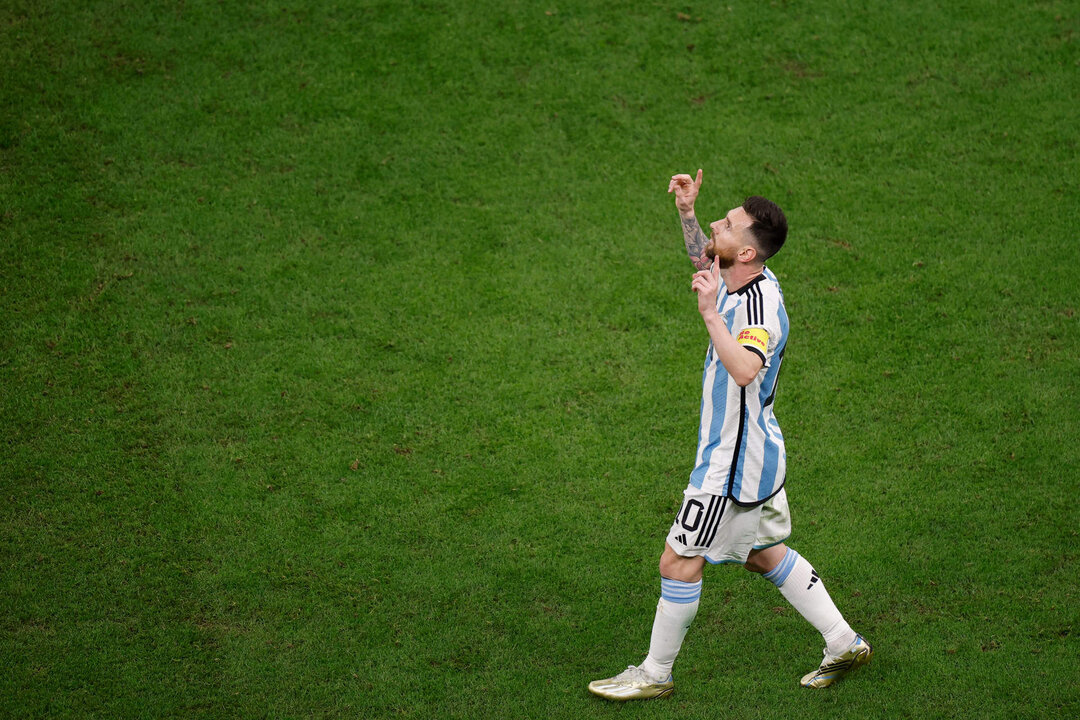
<point x="686" y="191"/>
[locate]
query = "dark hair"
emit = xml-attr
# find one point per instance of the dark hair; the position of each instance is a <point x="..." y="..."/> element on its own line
<point x="769" y="228"/>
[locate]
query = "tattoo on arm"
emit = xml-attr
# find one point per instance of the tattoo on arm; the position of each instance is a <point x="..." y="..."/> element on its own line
<point x="695" y="242"/>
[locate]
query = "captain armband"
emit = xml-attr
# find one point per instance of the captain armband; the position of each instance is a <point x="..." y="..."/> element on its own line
<point x="754" y="338"/>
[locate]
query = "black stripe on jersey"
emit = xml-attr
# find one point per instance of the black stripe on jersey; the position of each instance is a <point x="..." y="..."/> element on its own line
<point x="715" y="525"/>
<point x="738" y="442"/>
<point x="755" y="503"/>
<point x="708" y="520"/>
<point x="779" y="369"/>
<point x="755" y="306"/>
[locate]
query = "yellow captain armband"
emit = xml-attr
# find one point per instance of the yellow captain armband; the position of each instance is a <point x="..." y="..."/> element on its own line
<point x="754" y="338"/>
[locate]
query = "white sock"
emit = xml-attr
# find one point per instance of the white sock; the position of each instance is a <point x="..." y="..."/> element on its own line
<point x="676" y="610"/>
<point x="800" y="585"/>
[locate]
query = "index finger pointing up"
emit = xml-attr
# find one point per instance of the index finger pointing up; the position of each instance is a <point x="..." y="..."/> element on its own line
<point x="697" y="183"/>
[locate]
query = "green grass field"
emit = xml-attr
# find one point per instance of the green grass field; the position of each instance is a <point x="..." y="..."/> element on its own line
<point x="349" y="366"/>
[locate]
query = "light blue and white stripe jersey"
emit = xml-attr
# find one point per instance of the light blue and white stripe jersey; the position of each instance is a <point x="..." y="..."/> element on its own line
<point x="740" y="450"/>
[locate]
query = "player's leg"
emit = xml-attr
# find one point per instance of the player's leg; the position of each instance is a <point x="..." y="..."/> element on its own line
<point x="680" y="593"/>
<point x="801" y="586"/>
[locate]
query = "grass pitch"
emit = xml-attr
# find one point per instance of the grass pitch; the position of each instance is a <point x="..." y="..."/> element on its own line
<point x="349" y="367"/>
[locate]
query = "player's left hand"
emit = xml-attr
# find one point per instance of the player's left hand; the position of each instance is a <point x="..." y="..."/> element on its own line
<point x="686" y="191"/>
<point x="706" y="283"/>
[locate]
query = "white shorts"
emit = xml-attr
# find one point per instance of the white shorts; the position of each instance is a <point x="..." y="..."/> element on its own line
<point x="724" y="532"/>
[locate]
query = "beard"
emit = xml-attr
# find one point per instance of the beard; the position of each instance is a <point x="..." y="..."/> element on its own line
<point x="724" y="259"/>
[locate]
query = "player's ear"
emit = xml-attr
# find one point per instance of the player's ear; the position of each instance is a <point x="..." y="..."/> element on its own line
<point x="749" y="253"/>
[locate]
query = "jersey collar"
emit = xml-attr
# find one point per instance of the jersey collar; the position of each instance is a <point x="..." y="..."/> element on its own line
<point x="754" y="281"/>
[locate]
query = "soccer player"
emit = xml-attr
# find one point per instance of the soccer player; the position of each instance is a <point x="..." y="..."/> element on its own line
<point x="735" y="509"/>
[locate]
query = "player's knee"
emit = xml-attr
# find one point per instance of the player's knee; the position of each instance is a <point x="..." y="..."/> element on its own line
<point x="754" y="565"/>
<point x="756" y="562"/>
<point x="685" y="569"/>
<point x="671" y="564"/>
<point x="667" y="564"/>
<point x="763" y="560"/>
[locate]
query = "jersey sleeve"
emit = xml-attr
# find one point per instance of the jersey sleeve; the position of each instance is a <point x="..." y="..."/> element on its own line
<point x="760" y="330"/>
<point x="756" y="340"/>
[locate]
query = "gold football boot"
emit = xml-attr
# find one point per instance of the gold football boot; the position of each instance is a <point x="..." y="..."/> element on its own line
<point x="633" y="683"/>
<point x="834" y="668"/>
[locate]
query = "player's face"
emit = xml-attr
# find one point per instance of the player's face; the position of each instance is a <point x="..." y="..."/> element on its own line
<point x="730" y="235"/>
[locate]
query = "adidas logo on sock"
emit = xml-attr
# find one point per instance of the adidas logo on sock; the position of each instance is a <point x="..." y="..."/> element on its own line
<point x="813" y="579"/>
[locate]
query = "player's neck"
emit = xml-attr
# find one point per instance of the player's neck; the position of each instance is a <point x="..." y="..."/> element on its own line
<point x="740" y="274"/>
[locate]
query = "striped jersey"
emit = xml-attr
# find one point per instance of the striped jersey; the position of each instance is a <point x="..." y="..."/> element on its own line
<point x="740" y="450"/>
